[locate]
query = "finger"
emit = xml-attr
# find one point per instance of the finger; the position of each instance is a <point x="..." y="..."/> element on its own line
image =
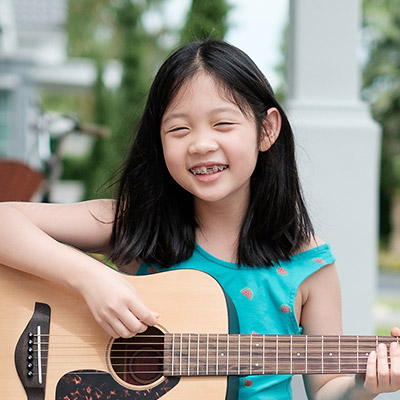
<point x="395" y="365"/>
<point x="110" y="330"/>
<point x="143" y="314"/>
<point x="371" y="380"/>
<point x="383" y="367"/>
<point x="395" y="331"/>
<point x="131" y="324"/>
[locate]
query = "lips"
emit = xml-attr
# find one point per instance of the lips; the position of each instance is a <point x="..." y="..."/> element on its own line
<point x="207" y="170"/>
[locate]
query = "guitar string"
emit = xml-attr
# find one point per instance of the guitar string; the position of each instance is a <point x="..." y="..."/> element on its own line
<point x="296" y="341"/>
<point x="139" y="346"/>
<point x="257" y="357"/>
<point x="296" y="352"/>
<point x="158" y="369"/>
<point x="243" y="348"/>
<point x="282" y="338"/>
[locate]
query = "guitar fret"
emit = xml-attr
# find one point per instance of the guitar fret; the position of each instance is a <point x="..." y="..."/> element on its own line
<point x="173" y="353"/>
<point x="322" y="354"/>
<point x="198" y="353"/>
<point x="238" y="354"/>
<point x="217" y="356"/>
<point x="180" y="356"/>
<point x="291" y="354"/>
<point x="339" y="353"/>
<point x="263" y="355"/>
<point x="208" y="339"/>
<point x="251" y="354"/>
<point x="227" y="355"/>
<point x="306" y="354"/>
<point x="188" y="355"/>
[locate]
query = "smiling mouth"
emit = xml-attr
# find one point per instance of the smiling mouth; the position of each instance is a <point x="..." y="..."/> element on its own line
<point x="208" y="170"/>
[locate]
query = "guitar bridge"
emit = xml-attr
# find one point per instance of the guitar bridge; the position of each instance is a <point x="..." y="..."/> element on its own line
<point x="31" y="353"/>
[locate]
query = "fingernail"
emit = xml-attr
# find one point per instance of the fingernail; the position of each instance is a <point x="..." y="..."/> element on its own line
<point x="382" y="348"/>
<point x="394" y="347"/>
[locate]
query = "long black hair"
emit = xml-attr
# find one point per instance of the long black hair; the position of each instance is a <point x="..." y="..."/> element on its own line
<point x="154" y="217"/>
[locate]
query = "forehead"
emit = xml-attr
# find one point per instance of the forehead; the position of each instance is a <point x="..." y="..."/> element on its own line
<point x="203" y="82"/>
<point x="199" y="81"/>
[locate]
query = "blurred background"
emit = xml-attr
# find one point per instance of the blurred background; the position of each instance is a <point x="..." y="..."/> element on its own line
<point x="73" y="81"/>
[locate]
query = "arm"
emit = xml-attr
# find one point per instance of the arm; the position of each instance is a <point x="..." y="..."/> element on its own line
<point x="321" y="314"/>
<point x="32" y="238"/>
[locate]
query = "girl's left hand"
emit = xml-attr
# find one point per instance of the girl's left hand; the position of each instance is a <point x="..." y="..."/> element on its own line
<point x="380" y="377"/>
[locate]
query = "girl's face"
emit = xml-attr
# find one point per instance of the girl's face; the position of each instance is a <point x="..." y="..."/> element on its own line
<point x="210" y="147"/>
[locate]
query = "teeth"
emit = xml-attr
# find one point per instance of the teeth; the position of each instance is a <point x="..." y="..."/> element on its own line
<point x="206" y="171"/>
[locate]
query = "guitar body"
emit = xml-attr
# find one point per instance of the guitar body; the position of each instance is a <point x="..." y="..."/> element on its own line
<point x="79" y="346"/>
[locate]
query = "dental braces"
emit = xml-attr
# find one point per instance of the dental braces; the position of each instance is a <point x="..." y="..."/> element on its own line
<point x="206" y="171"/>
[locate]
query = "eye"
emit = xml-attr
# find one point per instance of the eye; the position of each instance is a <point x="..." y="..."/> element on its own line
<point x="178" y="129"/>
<point x="224" y="124"/>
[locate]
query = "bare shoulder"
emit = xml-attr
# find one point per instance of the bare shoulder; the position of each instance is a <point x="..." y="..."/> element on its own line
<point x="320" y="293"/>
<point x="314" y="241"/>
<point x="322" y="288"/>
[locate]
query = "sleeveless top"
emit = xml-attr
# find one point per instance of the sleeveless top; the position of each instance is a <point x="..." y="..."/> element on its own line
<point x="264" y="300"/>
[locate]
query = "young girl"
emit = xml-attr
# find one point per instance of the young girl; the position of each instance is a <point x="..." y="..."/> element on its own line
<point x="210" y="183"/>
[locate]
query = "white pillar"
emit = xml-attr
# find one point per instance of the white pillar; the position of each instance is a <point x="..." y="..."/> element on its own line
<point x="338" y="145"/>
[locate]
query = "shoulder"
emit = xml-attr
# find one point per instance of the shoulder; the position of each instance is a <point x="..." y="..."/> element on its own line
<point x="328" y="268"/>
<point x="314" y="242"/>
<point x="321" y="286"/>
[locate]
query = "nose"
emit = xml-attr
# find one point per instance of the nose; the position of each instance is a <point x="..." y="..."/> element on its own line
<point x="202" y="142"/>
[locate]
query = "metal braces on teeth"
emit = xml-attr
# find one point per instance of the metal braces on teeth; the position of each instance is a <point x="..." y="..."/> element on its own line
<point x="205" y="170"/>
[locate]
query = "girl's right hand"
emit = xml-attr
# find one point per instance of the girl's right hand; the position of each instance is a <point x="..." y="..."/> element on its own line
<point x="115" y="303"/>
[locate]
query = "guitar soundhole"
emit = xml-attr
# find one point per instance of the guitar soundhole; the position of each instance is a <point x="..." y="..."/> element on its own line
<point x="139" y="360"/>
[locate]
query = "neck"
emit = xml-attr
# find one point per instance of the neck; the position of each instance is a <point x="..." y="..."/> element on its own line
<point x="231" y="354"/>
<point x="219" y="227"/>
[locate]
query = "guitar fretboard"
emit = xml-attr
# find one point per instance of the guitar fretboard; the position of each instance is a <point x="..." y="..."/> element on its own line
<point x="230" y="354"/>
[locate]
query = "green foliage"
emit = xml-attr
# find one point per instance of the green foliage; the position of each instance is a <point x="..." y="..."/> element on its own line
<point x="382" y="88"/>
<point x="90" y="29"/>
<point x="389" y="262"/>
<point x="102" y="30"/>
<point x="206" y="18"/>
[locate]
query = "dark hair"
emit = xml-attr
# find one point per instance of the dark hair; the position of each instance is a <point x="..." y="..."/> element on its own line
<point x="154" y="219"/>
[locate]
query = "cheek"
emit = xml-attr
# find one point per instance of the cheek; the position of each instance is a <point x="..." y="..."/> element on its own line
<point x="174" y="161"/>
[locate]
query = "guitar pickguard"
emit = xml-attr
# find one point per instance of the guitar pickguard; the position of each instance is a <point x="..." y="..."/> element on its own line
<point x="100" y="385"/>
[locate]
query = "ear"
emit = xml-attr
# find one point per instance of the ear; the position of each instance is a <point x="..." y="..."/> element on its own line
<point x="271" y="128"/>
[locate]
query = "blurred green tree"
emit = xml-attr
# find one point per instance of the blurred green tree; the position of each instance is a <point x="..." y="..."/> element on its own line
<point x="101" y="31"/>
<point x="381" y="82"/>
<point x="206" y="18"/>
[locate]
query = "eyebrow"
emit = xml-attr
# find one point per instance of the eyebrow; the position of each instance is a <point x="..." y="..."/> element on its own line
<point x="214" y="111"/>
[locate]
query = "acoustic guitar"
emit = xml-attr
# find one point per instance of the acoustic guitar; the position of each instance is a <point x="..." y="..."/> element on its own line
<point x="52" y="348"/>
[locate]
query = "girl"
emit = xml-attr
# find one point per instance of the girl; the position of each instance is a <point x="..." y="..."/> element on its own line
<point x="210" y="183"/>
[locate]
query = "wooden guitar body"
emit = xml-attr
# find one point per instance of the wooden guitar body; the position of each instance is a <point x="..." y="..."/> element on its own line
<point x="77" y="343"/>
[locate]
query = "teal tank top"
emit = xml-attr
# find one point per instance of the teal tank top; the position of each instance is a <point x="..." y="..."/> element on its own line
<point x="264" y="300"/>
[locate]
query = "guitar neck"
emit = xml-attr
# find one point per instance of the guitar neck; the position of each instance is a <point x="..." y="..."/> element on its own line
<point x="231" y="354"/>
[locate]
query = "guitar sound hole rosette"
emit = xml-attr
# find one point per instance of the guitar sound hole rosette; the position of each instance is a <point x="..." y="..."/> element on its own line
<point x="138" y="361"/>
